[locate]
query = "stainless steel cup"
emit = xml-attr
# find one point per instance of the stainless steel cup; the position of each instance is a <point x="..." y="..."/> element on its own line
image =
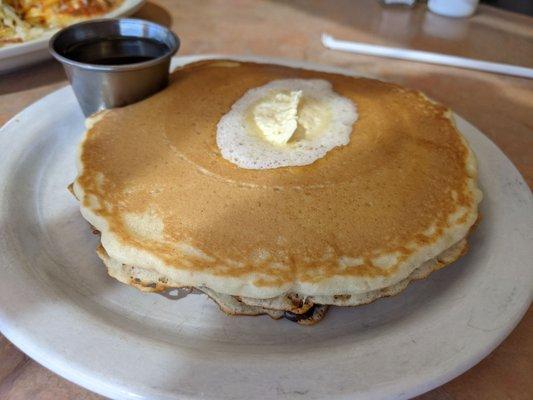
<point x="100" y="86"/>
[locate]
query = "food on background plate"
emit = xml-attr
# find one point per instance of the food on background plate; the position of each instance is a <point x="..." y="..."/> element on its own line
<point x="23" y="20"/>
<point x="277" y="190"/>
<point x="13" y="29"/>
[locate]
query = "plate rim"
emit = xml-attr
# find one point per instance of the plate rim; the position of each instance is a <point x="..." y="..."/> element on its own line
<point x="116" y="391"/>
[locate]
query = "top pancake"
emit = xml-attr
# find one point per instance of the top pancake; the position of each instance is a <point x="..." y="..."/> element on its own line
<point x="152" y="180"/>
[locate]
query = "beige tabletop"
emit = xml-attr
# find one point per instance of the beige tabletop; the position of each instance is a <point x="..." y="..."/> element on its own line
<point x="500" y="106"/>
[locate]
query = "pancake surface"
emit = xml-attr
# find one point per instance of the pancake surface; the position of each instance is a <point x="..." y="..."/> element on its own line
<point x="362" y="218"/>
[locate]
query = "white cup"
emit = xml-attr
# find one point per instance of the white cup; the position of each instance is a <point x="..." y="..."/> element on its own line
<point x="453" y="8"/>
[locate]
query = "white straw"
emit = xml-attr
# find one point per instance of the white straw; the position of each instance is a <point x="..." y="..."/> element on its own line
<point x="425" y="56"/>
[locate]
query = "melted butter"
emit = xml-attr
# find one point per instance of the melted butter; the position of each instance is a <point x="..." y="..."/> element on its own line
<point x="314" y="117"/>
<point x="276" y="115"/>
<point x="309" y="119"/>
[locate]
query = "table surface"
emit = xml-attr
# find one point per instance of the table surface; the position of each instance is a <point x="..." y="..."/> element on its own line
<point x="500" y="106"/>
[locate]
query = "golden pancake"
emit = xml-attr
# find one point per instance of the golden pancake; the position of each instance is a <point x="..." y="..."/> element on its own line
<point x="360" y="219"/>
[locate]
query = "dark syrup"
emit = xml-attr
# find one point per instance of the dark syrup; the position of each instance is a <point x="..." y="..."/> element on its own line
<point x="116" y="51"/>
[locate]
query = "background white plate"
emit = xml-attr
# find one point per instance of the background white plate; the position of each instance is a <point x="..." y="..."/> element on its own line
<point x="59" y="306"/>
<point x="27" y="53"/>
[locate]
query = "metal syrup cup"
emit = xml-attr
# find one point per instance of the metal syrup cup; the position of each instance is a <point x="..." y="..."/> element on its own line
<point x="99" y="86"/>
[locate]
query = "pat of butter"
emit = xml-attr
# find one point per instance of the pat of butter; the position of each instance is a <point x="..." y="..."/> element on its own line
<point x="285" y="123"/>
<point x="276" y="116"/>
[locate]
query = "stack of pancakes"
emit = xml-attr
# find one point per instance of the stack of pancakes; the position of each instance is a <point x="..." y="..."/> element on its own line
<point x="393" y="205"/>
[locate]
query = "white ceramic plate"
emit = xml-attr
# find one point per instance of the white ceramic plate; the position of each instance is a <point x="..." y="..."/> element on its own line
<point x="21" y="54"/>
<point x="59" y="306"/>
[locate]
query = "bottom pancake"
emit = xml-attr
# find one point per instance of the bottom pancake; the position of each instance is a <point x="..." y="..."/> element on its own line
<point x="303" y="310"/>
